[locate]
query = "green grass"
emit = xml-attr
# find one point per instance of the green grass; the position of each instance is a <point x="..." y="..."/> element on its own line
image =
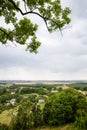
<point x="41" y="105"/>
<point x="5" y="116"/>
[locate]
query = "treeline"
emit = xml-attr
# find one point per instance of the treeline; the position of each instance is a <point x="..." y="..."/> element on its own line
<point x="79" y="86"/>
<point x="29" y="90"/>
<point x="67" y="106"/>
<point x="48" y="86"/>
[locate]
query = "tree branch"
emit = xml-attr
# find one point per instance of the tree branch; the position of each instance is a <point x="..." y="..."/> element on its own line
<point x="25" y="6"/>
<point x="29" y="12"/>
<point x="33" y="12"/>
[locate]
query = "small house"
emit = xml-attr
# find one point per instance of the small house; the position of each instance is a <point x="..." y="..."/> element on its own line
<point x="12" y="101"/>
<point x="41" y="101"/>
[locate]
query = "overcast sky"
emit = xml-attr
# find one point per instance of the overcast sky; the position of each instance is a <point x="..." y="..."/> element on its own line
<point x="59" y="57"/>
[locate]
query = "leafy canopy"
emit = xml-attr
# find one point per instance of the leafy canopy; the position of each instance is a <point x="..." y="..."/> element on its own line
<point x="23" y="30"/>
<point x="65" y="107"/>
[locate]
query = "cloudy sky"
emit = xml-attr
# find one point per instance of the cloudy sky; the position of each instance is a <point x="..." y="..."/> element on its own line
<point x="59" y="57"/>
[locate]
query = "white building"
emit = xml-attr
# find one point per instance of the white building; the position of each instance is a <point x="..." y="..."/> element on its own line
<point x="54" y="91"/>
<point x="12" y="101"/>
<point x="41" y="101"/>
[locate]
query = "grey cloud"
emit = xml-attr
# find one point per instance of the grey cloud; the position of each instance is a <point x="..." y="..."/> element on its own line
<point x="58" y="58"/>
<point x="79" y="8"/>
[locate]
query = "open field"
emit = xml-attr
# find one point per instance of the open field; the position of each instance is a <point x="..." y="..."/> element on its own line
<point x="41" y="105"/>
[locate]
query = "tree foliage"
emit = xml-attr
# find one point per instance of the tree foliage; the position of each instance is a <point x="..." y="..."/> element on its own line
<point x="22" y="30"/>
<point x="64" y="107"/>
<point x="38" y="115"/>
<point x="29" y="115"/>
<point x="24" y="118"/>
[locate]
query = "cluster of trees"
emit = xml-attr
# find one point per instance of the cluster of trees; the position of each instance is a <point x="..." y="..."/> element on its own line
<point x="35" y="88"/>
<point x="19" y="92"/>
<point x="67" y="106"/>
<point x="29" y="115"/>
<point x="29" y="90"/>
<point x="37" y="85"/>
<point x="5" y="98"/>
<point x="79" y="86"/>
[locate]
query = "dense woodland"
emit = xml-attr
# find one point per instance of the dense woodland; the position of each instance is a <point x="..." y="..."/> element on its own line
<point x="39" y="105"/>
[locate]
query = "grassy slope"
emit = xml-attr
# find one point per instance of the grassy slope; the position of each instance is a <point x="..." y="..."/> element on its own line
<point x="5" y="116"/>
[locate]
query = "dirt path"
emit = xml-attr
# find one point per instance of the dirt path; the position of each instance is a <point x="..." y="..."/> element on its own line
<point x="65" y="127"/>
